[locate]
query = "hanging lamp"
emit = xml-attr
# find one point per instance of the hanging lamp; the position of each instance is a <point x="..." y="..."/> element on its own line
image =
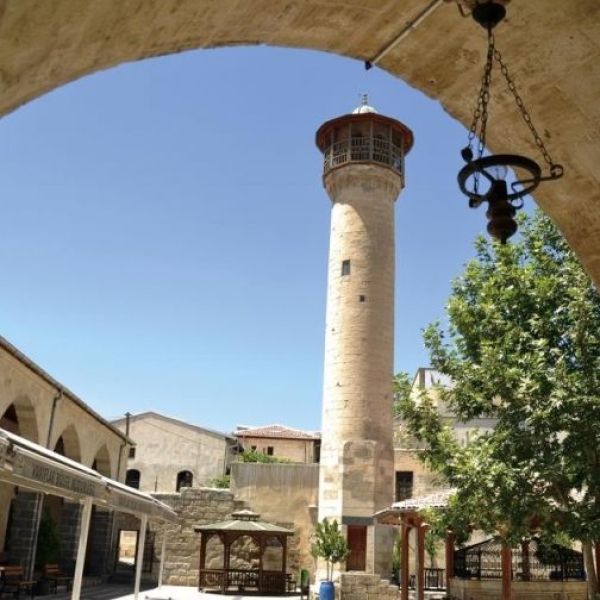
<point x="503" y="202"/>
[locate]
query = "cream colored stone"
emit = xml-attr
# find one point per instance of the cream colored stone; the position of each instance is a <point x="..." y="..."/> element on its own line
<point x="356" y="474"/>
<point x="166" y="446"/>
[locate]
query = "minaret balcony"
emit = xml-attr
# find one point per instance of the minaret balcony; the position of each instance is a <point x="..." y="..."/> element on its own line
<point x="364" y="149"/>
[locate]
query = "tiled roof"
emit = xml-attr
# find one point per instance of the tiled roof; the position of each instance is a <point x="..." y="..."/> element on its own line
<point x="437" y="500"/>
<point x="276" y="431"/>
<point x="414" y="505"/>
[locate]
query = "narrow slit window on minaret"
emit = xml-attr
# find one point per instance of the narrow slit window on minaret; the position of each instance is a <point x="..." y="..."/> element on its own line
<point x="345" y="267"/>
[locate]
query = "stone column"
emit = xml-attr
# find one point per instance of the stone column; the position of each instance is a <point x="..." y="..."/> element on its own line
<point x="69" y="535"/>
<point x="100" y="553"/>
<point x="23" y="529"/>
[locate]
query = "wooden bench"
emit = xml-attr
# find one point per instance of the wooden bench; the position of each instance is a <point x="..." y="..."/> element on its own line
<point x="53" y="574"/>
<point x="14" y="581"/>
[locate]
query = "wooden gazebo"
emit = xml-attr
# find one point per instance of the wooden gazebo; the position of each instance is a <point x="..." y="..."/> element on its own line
<point x="243" y="523"/>
<point x="406" y="514"/>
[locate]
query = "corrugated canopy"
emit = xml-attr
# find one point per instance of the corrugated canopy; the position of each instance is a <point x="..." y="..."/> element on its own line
<point x="34" y="467"/>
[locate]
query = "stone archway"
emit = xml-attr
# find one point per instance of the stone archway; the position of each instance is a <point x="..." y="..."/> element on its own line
<point x="102" y="463"/>
<point x="20" y="418"/>
<point x="68" y="443"/>
<point x="47" y="43"/>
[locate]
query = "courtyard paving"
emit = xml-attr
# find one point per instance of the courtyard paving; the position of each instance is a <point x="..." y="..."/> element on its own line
<point x="166" y="592"/>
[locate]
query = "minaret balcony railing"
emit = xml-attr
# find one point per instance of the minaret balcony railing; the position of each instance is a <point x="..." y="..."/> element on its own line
<point x="363" y="149"/>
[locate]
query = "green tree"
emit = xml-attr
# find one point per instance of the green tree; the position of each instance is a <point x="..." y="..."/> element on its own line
<point x="221" y="482"/>
<point x="522" y="346"/>
<point x="254" y="456"/>
<point x="329" y="544"/>
<point x="48" y="541"/>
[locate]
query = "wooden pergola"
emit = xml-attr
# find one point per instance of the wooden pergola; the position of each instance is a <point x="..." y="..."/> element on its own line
<point x="406" y="515"/>
<point x="244" y="523"/>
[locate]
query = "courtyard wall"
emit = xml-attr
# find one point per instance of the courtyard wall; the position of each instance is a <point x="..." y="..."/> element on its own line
<point x="285" y="494"/>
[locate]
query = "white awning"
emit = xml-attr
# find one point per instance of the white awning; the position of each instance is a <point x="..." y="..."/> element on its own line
<point x="32" y="466"/>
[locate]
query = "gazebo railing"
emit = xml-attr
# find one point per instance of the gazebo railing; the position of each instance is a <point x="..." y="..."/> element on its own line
<point x="270" y="582"/>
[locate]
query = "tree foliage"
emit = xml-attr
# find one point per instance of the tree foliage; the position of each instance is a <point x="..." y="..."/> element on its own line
<point x="49" y="542"/>
<point x="254" y="456"/>
<point x="522" y="346"/>
<point x="329" y="544"/>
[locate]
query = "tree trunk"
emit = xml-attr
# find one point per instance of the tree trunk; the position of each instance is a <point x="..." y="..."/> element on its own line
<point x="588" y="558"/>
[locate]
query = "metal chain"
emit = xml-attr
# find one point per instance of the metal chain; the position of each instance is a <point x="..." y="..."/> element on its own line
<point x="524" y="113"/>
<point x="480" y="115"/>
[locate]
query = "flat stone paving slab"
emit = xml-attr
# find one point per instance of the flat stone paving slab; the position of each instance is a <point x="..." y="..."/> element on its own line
<point x="167" y="592"/>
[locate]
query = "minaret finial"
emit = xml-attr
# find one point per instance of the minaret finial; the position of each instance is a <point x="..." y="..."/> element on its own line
<point x="365" y="99"/>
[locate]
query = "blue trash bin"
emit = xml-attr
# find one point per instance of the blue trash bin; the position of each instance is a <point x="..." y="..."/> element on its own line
<point x="327" y="591"/>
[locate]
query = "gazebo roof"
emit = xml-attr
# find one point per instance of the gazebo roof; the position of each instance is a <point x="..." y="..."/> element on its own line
<point x="414" y="505"/>
<point x="244" y="521"/>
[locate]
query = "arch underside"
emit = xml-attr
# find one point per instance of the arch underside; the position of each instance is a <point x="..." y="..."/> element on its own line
<point x="552" y="48"/>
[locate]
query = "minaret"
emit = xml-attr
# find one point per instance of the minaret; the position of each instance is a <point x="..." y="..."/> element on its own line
<point x="363" y="175"/>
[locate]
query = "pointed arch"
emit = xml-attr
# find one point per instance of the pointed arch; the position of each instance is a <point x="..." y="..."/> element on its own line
<point x="68" y="443"/>
<point x="20" y="418"/>
<point x="102" y="462"/>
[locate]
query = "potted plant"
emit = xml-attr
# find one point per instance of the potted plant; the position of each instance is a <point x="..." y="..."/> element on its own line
<point x="330" y="545"/>
<point x="48" y="548"/>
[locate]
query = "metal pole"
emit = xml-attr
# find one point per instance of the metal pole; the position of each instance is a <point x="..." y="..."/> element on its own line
<point x="37" y="518"/>
<point x="84" y="528"/>
<point x="405" y="31"/>
<point x="140" y="556"/>
<point x="162" y="556"/>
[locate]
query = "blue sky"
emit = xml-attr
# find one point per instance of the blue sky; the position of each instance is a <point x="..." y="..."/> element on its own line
<point x="165" y="231"/>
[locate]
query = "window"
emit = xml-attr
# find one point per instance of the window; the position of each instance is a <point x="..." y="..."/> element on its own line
<point x="184" y="479"/>
<point x="132" y="478"/>
<point x="252" y="447"/>
<point x="362" y="298"/>
<point x="270" y="450"/>
<point x="404" y="485"/>
<point x="345" y="268"/>
<point x="132" y="452"/>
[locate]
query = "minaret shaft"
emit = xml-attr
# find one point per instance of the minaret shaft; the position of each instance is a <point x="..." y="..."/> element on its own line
<point x="357" y="455"/>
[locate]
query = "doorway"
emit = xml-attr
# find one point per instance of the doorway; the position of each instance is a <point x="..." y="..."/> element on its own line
<point x="357" y="544"/>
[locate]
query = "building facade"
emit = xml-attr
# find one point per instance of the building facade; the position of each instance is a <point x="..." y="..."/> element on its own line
<point x="38" y="408"/>
<point x="171" y="454"/>
<point x="412" y="477"/>
<point x="281" y="442"/>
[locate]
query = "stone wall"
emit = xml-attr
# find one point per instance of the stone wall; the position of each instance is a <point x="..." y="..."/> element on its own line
<point x="195" y="506"/>
<point x="362" y="586"/>
<point x="465" y="589"/>
<point x="296" y="450"/>
<point x="166" y="446"/>
<point x="100" y="551"/>
<point x="285" y="494"/>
